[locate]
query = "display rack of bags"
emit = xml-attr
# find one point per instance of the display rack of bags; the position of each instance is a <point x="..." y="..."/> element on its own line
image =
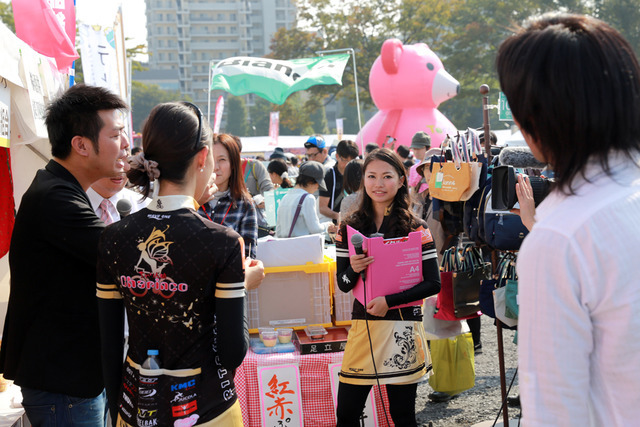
<point x="461" y="271"/>
<point x="503" y="285"/>
<point x="457" y="180"/>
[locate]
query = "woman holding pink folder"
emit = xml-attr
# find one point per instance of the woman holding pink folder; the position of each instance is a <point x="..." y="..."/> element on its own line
<point x="386" y="344"/>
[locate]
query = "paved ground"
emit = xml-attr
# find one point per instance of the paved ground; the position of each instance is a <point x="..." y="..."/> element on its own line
<point x="482" y="402"/>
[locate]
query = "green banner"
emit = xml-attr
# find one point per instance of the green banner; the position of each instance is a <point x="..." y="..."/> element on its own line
<point x="275" y="80"/>
<point x="504" y="112"/>
<point x="272" y="200"/>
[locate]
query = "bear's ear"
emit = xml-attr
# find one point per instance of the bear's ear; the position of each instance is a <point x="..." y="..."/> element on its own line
<point x="390" y="53"/>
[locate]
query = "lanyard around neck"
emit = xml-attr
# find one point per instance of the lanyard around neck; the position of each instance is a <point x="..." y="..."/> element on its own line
<point x="223" y="218"/>
<point x="226" y="213"/>
<point x="206" y="213"/>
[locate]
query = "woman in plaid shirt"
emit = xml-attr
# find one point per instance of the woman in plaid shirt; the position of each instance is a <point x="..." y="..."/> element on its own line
<point x="232" y="205"/>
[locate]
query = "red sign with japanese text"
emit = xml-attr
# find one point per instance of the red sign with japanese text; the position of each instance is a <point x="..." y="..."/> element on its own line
<point x="280" y="397"/>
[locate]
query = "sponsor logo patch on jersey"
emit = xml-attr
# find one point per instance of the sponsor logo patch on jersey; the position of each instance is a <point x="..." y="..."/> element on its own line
<point x="185" y="409"/>
<point x="339" y="235"/>
<point x="147" y="392"/>
<point x="184" y="386"/>
<point x="425" y="234"/>
<point x="180" y="397"/>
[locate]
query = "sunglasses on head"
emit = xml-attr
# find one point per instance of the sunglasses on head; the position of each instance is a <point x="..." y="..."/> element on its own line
<point x="199" y="114"/>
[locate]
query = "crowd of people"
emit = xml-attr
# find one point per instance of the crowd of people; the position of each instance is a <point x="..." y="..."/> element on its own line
<point x="166" y="239"/>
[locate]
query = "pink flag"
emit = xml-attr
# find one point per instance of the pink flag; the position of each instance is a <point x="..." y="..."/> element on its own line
<point x="38" y="25"/>
<point x="274" y="127"/>
<point x="218" y="116"/>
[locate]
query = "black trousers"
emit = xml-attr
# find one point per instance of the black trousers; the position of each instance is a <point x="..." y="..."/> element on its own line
<point x="402" y="404"/>
<point x="474" y="326"/>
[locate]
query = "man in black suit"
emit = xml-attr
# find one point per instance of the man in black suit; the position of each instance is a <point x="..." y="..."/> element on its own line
<point x="51" y="342"/>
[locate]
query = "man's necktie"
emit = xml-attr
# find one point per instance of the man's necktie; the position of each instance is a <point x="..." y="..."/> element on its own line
<point x="105" y="215"/>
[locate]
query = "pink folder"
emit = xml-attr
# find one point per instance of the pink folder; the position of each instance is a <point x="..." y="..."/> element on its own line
<point x="397" y="266"/>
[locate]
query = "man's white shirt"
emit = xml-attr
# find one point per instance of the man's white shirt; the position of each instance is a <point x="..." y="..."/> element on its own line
<point x="125" y="193"/>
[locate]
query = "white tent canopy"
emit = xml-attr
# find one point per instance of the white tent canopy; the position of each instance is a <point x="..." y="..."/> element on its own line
<point x="294" y="144"/>
<point x="253" y="145"/>
<point x="514" y="140"/>
<point x="21" y="71"/>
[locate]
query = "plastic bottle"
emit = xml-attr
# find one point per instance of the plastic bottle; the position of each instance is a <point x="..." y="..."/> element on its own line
<point x="152" y="361"/>
<point x="147" y="415"/>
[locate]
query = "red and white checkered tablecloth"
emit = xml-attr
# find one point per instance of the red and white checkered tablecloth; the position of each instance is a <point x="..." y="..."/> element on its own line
<point x="317" y="401"/>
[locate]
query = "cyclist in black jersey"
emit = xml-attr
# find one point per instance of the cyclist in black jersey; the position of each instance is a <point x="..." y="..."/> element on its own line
<point x="180" y="278"/>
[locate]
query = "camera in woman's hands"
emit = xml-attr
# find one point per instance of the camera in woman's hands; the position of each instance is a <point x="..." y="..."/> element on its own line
<point x="503" y="188"/>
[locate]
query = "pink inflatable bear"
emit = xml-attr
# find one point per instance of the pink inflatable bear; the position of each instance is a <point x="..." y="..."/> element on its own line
<point x="407" y="84"/>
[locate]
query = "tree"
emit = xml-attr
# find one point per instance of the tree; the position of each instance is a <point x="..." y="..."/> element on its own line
<point x="468" y="52"/>
<point x="362" y="26"/>
<point x="481" y="25"/>
<point x="464" y="33"/>
<point x="260" y="116"/>
<point x="236" y="116"/>
<point x="297" y="116"/>
<point x="350" y="115"/>
<point x="144" y="98"/>
<point x="426" y="21"/>
<point x="295" y="111"/>
<point x="319" y="120"/>
<point x="624" y="16"/>
<point x="6" y="15"/>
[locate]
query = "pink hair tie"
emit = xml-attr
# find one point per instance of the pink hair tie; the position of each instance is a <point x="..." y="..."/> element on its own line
<point x="149" y="166"/>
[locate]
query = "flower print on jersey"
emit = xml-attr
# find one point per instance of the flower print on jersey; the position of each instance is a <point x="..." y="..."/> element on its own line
<point x="407" y="354"/>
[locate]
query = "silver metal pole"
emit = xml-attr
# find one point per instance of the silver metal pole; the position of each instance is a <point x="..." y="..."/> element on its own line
<point x="351" y="52"/>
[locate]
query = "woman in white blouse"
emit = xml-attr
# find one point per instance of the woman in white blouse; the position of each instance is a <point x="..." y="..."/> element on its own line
<point x="297" y="213"/>
<point x="573" y="85"/>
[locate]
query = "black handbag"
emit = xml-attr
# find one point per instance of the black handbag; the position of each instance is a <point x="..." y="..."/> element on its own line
<point x="486" y="297"/>
<point x="466" y="281"/>
<point x="470" y="221"/>
<point x="503" y="230"/>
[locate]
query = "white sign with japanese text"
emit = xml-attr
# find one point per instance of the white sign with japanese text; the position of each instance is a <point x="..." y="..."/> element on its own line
<point x="55" y="83"/>
<point x="5" y="113"/>
<point x="369" y="414"/>
<point x="35" y="88"/>
<point x="99" y="60"/>
<point x="280" y="396"/>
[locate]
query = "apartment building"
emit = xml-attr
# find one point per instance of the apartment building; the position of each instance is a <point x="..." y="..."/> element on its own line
<point x="185" y="35"/>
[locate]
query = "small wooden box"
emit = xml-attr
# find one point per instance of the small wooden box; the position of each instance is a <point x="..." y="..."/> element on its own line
<point x="334" y="341"/>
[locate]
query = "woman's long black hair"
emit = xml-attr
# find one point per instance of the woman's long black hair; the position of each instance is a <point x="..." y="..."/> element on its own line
<point x="279" y="166"/>
<point x="403" y="221"/>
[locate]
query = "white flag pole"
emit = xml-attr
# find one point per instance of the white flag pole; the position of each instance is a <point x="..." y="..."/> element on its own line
<point x="351" y="52"/>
